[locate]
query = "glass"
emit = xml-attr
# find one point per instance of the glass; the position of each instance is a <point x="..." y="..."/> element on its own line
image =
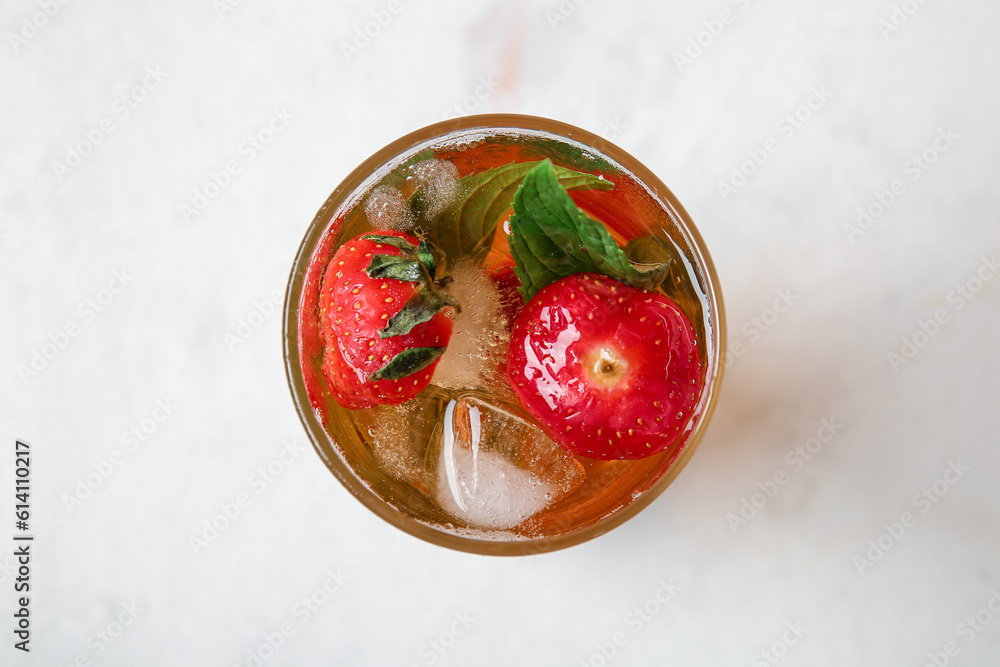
<point x="566" y="500"/>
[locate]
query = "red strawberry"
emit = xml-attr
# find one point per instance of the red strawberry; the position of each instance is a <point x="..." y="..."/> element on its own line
<point x="506" y="281"/>
<point x="384" y="323"/>
<point x="612" y="371"/>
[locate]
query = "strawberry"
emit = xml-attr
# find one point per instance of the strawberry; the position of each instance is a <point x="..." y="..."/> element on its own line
<point x="384" y="322"/>
<point x="505" y="279"/>
<point x="611" y="371"/>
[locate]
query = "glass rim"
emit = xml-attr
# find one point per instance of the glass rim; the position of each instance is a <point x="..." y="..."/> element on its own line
<point x="317" y="230"/>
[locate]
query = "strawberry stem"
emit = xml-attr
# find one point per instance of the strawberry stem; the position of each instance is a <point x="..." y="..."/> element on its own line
<point x="415" y="264"/>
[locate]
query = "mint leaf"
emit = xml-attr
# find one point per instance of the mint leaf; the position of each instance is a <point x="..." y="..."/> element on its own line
<point x="652" y="258"/>
<point x="469" y="224"/>
<point x="551" y="238"/>
<point x="649" y="251"/>
<point x="407" y="362"/>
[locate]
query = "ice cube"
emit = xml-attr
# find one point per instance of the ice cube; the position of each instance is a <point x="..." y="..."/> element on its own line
<point x="475" y="355"/>
<point x="495" y="469"/>
<point x="386" y="208"/>
<point x="437" y="185"/>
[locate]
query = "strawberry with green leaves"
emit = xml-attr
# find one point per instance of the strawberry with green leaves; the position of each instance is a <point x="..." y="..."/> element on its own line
<point x="611" y="371"/>
<point x="609" y="366"/>
<point x="385" y="320"/>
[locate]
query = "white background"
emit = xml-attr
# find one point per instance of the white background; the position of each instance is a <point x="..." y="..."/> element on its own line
<point x="610" y="68"/>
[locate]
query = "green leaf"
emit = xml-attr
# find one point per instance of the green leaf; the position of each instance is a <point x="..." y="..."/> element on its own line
<point x="551" y="238"/>
<point x="421" y="307"/>
<point x="394" y="241"/>
<point x="469" y="224"/>
<point x="426" y="256"/>
<point x="418" y="203"/>
<point x="415" y="264"/>
<point x="649" y="250"/>
<point x="397" y="268"/>
<point x="407" y="363"/>
<point x="665" y="258"/>
<point x="652" y="258"/>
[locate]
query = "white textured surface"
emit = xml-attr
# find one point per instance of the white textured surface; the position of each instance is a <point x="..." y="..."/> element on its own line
<point x="610" y="68"/>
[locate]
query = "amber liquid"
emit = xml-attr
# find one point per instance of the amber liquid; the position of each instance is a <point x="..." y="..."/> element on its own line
<point x="629" y="210"/>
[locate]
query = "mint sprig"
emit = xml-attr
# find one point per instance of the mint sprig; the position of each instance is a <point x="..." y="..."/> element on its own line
<point x="468" y="225"/>
<point x="551" y="239"/>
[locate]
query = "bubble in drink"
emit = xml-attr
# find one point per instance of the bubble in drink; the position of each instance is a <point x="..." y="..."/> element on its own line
<point x="386" y="208"/>
<point x="436" y="182"/>
<point x="395" y="441"/>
